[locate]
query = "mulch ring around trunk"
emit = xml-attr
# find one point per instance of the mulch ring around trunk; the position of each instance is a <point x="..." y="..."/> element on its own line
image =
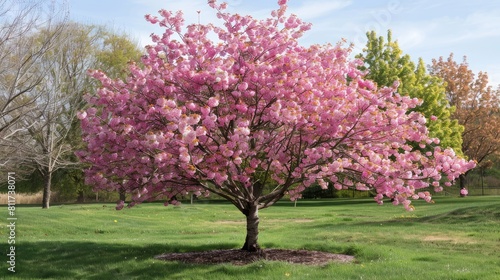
<point x="240" y="257"/>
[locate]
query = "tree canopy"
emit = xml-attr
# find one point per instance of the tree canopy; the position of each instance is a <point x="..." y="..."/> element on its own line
<point x="477" y="106"/>
<point x="250" y="108"/>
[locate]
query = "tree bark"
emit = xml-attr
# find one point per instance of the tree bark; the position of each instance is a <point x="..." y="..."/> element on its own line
<point x="123" y="195"/>
<point x="251" y="244"/>
<point x="46" y="190"/>
<point x="81" y="197"/>
<point x="462" y="181"/>
<point x="462" y="178"/>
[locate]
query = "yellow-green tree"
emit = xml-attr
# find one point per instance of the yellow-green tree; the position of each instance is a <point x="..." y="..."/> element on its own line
<point x="115" y="52"/>
<point x="386" y="63"/>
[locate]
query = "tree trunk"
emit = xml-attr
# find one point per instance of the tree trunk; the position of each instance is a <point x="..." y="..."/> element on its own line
<point x="251" y="243"/>
<point x="123" y="195"/>
<point x="462" y="178"/>
<point x="462" y="181"/>
<point x="46" y="190"/>
<point x="81" y="197"/>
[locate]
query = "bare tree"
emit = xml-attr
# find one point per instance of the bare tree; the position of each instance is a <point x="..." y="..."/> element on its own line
<point x="20" y="53"/>
<point x="60" y="93"/>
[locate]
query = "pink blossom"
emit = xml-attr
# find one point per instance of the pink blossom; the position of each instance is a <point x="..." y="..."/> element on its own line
<point x="175" y="202"/>
<point x="464" y="192"/>
<point x="227" y="152"/>
<point x="242" y="86"/>
<point x="213" y="102"/>
<point x="224" y="113"/>
<point x="127" y="128"/>
<point x="151" y="19"/>
<point x="120" y="205"/>
<point x="237" y="161"/>
<point x="81" y="115"/>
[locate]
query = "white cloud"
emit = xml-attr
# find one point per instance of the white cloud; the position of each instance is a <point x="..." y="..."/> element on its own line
<point x="411" y="37"/>
<point x="423" y="28"/>
<point x="314" y="9"/>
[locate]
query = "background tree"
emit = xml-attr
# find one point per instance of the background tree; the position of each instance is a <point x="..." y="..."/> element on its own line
<point x="107" y="50"/>
<point x="60" y="91"/>
<point x="44" y="60"/>
<point x="114" y="53"/>
<point x="53" y="130"/>
<point x="20" y="53"/>
<point x="477" y="108"/>
<point x="386" y="64"/>
<point x="254" y="109"/>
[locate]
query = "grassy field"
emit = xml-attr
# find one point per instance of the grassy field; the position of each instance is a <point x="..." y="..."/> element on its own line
<point x="455" y="238"/>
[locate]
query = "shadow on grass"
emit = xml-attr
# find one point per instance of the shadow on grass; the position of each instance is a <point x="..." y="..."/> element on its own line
<point x="324" y="202"/>
<point x="474" y="214"/>
<point x="89" y="260"/>
<point x="487" y="215"/>
<point x="286" y="202"/>
<point x="465" y="214"/>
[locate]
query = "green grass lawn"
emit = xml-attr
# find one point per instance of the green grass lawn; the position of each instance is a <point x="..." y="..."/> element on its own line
<point x="455" y="238"/>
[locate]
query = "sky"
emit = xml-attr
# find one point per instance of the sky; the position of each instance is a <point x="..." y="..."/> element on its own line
<point x="426" y="29"/>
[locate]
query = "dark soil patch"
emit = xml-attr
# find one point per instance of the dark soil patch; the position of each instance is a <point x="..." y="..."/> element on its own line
<point x="239" y="257"/>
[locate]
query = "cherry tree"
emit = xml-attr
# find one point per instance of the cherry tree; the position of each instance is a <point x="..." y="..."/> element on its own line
<point x="236" y="108"/>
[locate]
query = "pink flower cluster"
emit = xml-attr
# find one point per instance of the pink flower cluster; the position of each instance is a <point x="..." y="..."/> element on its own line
<point x="251" y="109"/>
<point x="464" y="192"/>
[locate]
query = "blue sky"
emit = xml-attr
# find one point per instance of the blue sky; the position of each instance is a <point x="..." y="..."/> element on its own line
<point x="423" y="28"/>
